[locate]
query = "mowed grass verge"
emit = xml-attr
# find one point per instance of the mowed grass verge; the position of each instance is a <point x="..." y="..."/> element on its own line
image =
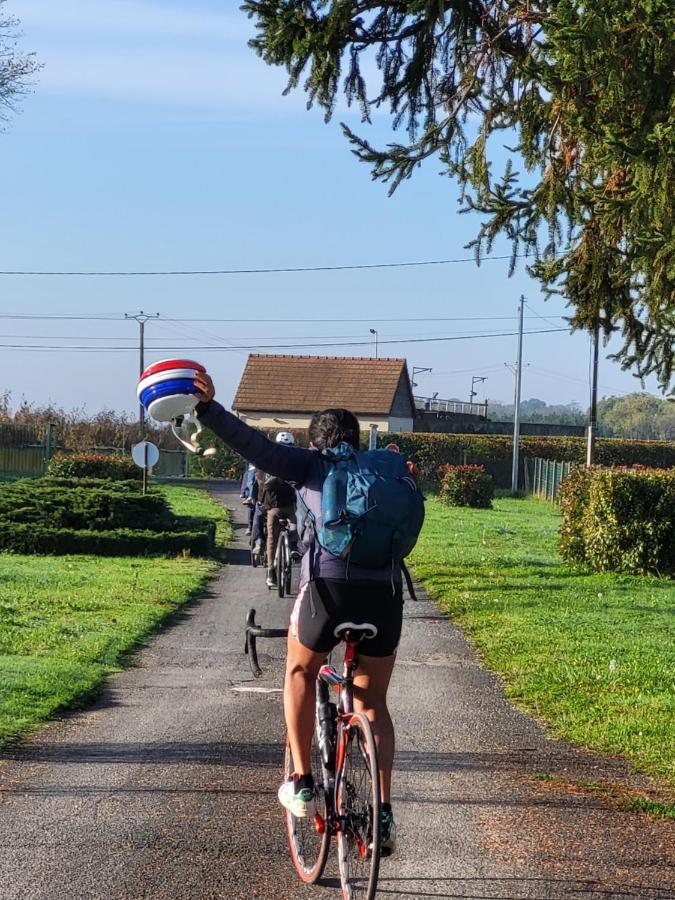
<point x="593" y="655"/>
<point x="68" y="621"/>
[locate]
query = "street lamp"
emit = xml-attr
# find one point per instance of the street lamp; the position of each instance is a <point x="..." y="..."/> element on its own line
<point x="474" y="380"/>
<point x="374" y="331"/>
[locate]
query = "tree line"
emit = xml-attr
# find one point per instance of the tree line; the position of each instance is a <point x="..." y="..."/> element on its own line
<point x="639" y="416"/>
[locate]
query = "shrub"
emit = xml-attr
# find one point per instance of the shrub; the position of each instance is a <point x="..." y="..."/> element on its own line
<point x="620" y="519"/>
<point x="88" y="508"/>
<point x="118" y="542"/>
<point x="431" y="451"/>
<point x="93" y="465"/>
<point x="60" y="516"/>
<point x="119" y="486"/>
<point x="466" y="486"/>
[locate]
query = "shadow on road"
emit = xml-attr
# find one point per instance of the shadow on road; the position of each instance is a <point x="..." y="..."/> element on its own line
<point x="513" y="888"/>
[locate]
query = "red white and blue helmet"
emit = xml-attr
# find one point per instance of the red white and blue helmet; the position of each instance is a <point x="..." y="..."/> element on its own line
<point x="167" y="389"/>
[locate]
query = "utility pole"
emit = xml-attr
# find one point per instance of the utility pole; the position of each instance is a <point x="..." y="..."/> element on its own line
<point x="374" y="331"/>
<point x="593" y="412"/>
<point x="516" y="403"/>
<point x="141" y="318"/>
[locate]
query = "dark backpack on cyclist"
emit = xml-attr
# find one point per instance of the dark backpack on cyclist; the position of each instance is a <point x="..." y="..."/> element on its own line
<point x="371" y="508"/>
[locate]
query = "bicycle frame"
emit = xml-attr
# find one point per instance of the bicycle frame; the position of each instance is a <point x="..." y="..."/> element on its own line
<point x="333" y="760"/>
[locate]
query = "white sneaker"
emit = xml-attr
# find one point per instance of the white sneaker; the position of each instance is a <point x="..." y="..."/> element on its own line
<point x="302" y="804"/>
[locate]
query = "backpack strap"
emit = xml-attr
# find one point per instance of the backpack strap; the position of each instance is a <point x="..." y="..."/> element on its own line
<point x="408" y="581"/>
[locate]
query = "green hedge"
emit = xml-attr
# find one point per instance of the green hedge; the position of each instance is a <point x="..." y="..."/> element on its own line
<point x="92" y="509"/>
<point x="619" y="519"/>
<point x="431" y="451"/>
<point x="119" y="542"/>
<point x="110" y="518"/>
<point x="118" y="486"/>
<point x="94" y="465"/>
<point x="466" y="486"/>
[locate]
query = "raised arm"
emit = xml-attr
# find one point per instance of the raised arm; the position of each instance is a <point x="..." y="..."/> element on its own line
<point x="290" y="463"/>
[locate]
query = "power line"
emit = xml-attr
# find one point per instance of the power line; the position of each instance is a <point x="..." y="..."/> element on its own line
<point x="166" y="319"/>
<point x="254" y="347"/>
<point x="256" y="271"/>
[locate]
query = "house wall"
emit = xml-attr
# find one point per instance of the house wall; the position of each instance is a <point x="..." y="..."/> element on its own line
<point x="400" y="423"/>
<point x="402" y="407"/>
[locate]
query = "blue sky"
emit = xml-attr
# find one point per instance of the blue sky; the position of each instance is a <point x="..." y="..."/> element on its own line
<point x="156" y="139"/>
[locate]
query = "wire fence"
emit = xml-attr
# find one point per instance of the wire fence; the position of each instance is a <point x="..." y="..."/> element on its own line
<point x="25" y="449"/>
<point x="543" y="477"/>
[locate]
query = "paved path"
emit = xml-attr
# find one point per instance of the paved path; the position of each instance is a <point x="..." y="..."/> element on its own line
<point x="166" y="787"/>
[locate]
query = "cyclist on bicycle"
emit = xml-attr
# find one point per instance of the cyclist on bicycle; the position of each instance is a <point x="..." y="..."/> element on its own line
<point x="278" y="500"/>
<point x="331" y="591"/>
<point x="246" y="494"/>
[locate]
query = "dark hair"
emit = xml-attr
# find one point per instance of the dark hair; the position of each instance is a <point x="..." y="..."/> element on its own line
<point x="332" y="426"/>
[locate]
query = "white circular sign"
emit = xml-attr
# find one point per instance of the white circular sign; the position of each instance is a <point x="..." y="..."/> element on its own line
<point x="145" y="454"/>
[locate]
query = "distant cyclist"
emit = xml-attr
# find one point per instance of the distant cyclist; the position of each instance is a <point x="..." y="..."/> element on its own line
<point x="332" y="590"/>
<point x="277" y="498"/>
<point x="247" y="493"/>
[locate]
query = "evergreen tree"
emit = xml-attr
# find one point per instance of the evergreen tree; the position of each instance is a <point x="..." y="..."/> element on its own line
<point x="584" y="92"/>
<point x="16" y="68"/>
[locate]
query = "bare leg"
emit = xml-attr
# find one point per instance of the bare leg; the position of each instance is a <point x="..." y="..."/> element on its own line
<point x="302" y="668"/>
<point x="371" y="683"/>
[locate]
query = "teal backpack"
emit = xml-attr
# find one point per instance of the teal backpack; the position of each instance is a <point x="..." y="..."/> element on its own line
<point x="371" y="508"/>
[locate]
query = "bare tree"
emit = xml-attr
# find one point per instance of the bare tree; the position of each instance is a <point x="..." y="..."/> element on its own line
<point x="16" y="68"/>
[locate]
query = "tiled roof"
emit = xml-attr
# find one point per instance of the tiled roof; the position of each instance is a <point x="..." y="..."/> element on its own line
<point x="306" y="384"/>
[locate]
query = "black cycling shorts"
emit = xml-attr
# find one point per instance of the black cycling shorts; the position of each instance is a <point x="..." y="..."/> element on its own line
<point x="323" y="604"/>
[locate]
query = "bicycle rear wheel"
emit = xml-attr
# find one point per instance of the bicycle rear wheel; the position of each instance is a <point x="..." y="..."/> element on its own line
<point x="308" y="845"/>
<point x="288" y="565"/>
<point x="358" y="808"/>
<point x="281" y="564"/>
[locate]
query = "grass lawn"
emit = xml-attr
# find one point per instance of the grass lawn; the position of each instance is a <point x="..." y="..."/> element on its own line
<point x="593" y="655"/>
<point x="196" y="501"/>
<point x="68" y="621"/>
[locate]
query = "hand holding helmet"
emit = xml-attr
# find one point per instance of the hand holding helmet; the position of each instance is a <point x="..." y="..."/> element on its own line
<point x="170" y="390"/>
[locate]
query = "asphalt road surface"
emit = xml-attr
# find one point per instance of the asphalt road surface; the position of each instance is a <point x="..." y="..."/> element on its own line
<point x="166" y="787"/>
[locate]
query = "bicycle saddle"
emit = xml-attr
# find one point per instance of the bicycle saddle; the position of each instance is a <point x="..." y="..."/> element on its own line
<point x="359" y="630"/>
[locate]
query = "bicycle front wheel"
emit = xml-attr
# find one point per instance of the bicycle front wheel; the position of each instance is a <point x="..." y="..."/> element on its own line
<point x="309" y="839"/>
<point x="358" y="809"/>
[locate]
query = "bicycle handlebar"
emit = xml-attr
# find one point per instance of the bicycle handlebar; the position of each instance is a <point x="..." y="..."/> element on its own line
<point x="253" y="632"/>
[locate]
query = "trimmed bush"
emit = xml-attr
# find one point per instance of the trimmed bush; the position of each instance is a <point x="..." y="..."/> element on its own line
<point x="466" y="486"/>
<point x="619" y="519"/>
<point x="119" y="486"/>
<point x="94" y="465"/>
<point x="120" y="542"/>
<point x="109" y="518"/>
<point x="92" y="509"/>
<point x="431" y="451"/>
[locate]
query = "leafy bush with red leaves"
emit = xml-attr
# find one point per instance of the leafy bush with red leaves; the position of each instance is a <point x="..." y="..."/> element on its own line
<point x="466" y="486"/>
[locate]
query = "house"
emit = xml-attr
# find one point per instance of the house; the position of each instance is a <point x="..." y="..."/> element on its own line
<point x="279" y="391"/>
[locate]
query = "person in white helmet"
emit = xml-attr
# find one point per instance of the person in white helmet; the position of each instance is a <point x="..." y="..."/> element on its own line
<point x="278" y="499"/>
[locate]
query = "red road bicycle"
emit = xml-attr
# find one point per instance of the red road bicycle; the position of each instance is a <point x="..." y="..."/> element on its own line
<point x="346" y="774"/>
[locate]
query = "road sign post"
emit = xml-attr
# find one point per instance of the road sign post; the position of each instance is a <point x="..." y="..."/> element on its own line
<point x="145" y="455"/>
